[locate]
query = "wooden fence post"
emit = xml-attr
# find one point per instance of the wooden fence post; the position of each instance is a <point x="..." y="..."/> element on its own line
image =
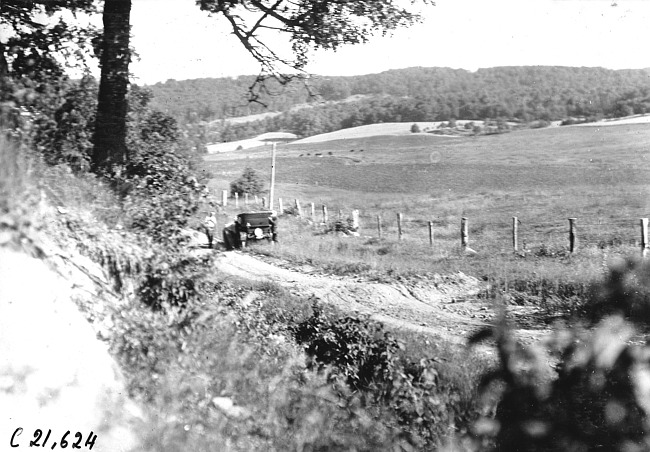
<point x="644" y="237"/>
<point x="431" y="233"/>
<point x="224" y="198"/>
<point x="464" y="233"/>
<point x="573" y="243"/>
<point x="355" y="220"/>
<point x="280" y="207"/>
<point x="236" y="200"/>
<point x="246" y="198"/>
<point x="379" y="226"/>
<point x="325" y="216"/>
<point x="263" y="202"/>
<point x="257" y="201"/>
<point x="515" y="233"/>
<point x="399" y="226"/>
<point x="312" y="206"/>
<point x="298" y="208"/>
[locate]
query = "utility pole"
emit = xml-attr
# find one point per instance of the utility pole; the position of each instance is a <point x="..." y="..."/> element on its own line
<point x="272" y="191"/>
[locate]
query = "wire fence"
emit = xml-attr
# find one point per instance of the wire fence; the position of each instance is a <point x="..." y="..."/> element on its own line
<point x="514" y="233"/>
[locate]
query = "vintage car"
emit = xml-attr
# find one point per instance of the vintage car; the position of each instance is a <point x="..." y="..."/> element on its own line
<point x="250" y="226"/>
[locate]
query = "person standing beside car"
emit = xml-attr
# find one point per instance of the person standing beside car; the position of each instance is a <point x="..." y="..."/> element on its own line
<point x="273" y="221"/>
<point x="210" y="223"/>
<point x="231" y="239"/>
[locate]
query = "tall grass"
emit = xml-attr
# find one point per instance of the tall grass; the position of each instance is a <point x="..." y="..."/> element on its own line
<point x="28" y="186"/>
<point x="15" y="174"/>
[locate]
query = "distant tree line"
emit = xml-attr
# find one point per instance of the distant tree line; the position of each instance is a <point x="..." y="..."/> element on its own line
<point x="409" y="95"/>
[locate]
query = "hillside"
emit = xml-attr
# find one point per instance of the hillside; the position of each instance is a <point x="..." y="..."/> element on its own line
<point x="521" y="94"/>
<point x="501" y="91"/>
<point x="370" y="130"/>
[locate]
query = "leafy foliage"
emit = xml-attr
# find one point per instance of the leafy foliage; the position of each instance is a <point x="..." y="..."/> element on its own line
<point x="161" y="190"/>
<point x="164" y="193"/>
<point x="158" y="186"/>
<point x="34" y="51"/>
<point x="249" y="182"/>
<point x="172" y="278"/>
<point x="179" y="360"/>
<point x="600" y="397"/>
<point x="37" y="43"/>
<point x="626" y="292"/>
<point x="359" y="349"/>
<point x="66" y="136"/>
<point x="359" y="352"/>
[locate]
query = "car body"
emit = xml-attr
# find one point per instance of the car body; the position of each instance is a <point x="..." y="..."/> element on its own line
<point x="250" y="226"/>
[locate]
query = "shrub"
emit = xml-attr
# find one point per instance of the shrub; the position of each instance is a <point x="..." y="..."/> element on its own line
<point x="358" y="348"/>
<point x="625" y="292"/>
<point x="163" y="194"/>
<point x="344" y="225"/>
<point x="66" y="137"/>
<point x="415" y="128"/>
<point x="161" y="190"/>
<point x="172" y="278"/>
<point x="599" y="399"/>
<point x="359" y="352"/>
<point x="250" y="182"/>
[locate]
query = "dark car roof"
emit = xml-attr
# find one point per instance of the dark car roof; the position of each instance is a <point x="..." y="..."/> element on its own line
<point x="247" y="215"/>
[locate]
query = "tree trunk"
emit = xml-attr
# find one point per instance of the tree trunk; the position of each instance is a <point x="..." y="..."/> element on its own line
<point x="110" y="127"/>
<point x="4" y="67"/>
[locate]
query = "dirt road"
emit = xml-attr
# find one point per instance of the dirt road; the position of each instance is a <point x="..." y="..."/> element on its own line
<point x="444" y="306"/>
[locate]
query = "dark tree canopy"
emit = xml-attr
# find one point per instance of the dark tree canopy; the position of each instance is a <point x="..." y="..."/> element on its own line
<point x="249" y="182"/>
<point x="36" y="35"/>
<point x="38" y="40"/>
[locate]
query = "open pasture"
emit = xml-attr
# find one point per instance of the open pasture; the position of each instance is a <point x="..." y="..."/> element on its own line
<point x="546" y="173"/>
<point x="542" y="176"/>
<point x="372" y="130"/>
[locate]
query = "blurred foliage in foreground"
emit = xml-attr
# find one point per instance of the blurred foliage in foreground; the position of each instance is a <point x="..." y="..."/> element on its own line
<point x="600" y="397"/>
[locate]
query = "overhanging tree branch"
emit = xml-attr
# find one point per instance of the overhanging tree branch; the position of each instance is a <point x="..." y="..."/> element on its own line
<point x="308" y="25"/>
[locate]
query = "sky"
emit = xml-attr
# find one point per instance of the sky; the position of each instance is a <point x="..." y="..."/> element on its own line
<point x="175" y="40"/>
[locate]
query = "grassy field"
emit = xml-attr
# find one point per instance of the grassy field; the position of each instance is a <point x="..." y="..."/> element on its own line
<point x="542" y="176"/>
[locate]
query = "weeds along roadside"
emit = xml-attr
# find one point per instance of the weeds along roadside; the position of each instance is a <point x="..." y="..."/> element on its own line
<point x="429" y="386"/>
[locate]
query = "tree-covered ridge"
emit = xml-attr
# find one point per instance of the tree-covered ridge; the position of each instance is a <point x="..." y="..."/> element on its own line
<point x="414" y="94"/>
